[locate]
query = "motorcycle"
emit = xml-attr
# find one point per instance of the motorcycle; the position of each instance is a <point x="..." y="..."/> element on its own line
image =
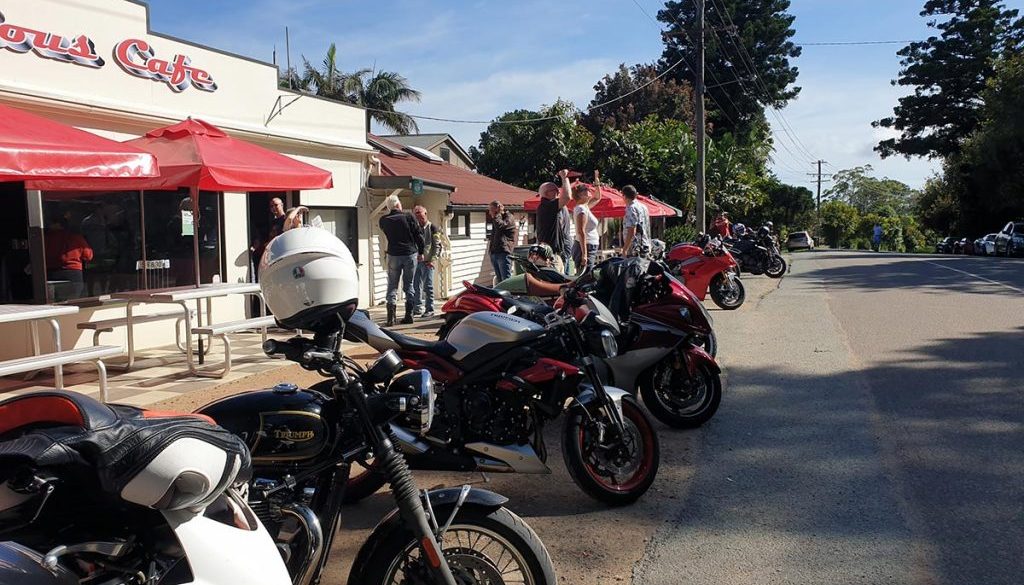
<point x="706" y="266"/>
<point x="501" y="377"/>
<point x="758" y="254"/>
<point x="658" y="352"/>
<point x="303" y="443"/>
<point x="113" y="495"/>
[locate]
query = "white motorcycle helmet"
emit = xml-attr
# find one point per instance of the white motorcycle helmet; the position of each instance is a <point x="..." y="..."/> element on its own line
<point x="309" y="279"/>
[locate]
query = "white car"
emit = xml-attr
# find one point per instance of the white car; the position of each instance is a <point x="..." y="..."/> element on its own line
<point x="799" y="241"/>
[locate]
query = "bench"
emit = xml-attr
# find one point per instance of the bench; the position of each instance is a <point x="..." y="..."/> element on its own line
<point x="57" y="359"/>
<point x="222" y="330"/>
<point x="108" y="325"/>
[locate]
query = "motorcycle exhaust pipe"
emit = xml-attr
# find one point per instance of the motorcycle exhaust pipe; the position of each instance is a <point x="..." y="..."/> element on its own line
<point x="314" y="542"/>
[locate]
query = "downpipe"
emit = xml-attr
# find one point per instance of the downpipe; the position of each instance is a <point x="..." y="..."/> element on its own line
<point x="314" y="542"/>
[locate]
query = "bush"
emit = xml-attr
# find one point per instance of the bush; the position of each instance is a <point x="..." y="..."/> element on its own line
<point x="679" y="233"/>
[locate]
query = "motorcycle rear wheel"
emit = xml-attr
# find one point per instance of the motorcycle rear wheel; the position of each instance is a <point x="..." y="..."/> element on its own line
<point x="727" y="295"/>
<point x="481" y="547"/>
<point x="777" y="268"/>
<point x="589" y="463"/>
<point x="679" y="400"/>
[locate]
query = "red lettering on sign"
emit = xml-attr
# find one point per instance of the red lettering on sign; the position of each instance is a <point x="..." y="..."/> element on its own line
<point x="136" y="57"/>
<point x="19" y="39"/>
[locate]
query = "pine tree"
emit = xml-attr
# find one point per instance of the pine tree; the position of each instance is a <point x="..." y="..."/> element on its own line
<point x="948" y="73"/>
<point x="747" y="53"/>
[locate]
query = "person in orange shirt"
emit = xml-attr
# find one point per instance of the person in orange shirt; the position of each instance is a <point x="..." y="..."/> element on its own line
<point x="66" y="255"/>
<point x="721" y="226"/>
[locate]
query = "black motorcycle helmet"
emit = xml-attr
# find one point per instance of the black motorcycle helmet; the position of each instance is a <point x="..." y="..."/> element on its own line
<point x="764" y="231"/>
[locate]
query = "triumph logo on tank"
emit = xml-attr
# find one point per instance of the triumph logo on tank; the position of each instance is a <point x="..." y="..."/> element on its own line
<point x="19" y="39"/>
<point x="135" y="56"/>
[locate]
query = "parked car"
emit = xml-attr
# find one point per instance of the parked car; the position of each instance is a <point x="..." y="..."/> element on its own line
<point x="945" y="246"/>
<point x="799" y="241"/>
<point x="985" y="245"/>
<point x="1010" y="241"/>
<point x="964" y="246"/>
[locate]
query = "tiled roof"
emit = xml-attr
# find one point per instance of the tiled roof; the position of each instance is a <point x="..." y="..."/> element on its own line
<point x="470" y="188"/>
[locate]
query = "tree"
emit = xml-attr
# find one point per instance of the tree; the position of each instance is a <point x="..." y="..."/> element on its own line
<point x="938" y="206"/>
<point x="948" y="73"/>
<point x="870" y="195"/>
<point x="839" y="221"/>
<point x="665" y="98"/>
<point x="784" y="205"/>
<point x="377" y="91"/>
<point x="746" y="59"/>
<point x="528" y="153"/>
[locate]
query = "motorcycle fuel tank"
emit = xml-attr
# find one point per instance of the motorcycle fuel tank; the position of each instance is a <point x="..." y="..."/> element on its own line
<point x="480" y="330"/>
<point x="283" y="424"/>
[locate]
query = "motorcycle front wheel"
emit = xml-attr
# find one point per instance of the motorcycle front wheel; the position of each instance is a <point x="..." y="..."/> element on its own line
<point x="727" y="293"/>
<point x="777" y="267"/>
<point x="620" y="470"/>
<point x="678" y="399"/>
<point x="482" y="547"/>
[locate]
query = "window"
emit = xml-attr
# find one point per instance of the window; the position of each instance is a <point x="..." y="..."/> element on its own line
<point x="100" y="243"/>
<point x="343" y="222"/>
<point x="459" y="226"/>
<point x="446" y="154"/>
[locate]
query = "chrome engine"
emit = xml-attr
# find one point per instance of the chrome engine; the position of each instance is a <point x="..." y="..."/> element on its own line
<point x="296" y="530"/>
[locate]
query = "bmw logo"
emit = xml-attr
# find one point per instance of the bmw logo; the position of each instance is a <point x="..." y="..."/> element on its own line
<point x="298" y="272"/>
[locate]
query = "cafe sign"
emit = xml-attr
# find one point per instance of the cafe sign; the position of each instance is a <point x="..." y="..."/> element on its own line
<point x="134" y="56"/>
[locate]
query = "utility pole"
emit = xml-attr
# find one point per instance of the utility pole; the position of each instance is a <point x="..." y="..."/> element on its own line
<point x="701" y="126"/>
<point x="817" y="210"/>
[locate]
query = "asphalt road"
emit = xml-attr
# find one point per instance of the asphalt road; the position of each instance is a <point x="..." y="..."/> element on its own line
<point x="872" y="431"/>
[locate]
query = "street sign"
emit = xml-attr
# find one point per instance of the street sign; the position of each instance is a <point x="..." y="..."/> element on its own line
<point x="417" y="186"/>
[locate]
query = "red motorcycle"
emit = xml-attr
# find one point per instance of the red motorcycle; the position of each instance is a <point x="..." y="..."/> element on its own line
<point x="707" y="266"/>
<point x="660" y="348"/>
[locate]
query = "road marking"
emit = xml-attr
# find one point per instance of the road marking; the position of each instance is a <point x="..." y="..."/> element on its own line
<point x="971" y="274"/>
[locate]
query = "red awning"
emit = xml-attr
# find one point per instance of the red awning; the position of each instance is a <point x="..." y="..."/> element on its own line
<point x="34" y="147"/>
<point x="198" y="155"/>
<point x="613" y="205"/>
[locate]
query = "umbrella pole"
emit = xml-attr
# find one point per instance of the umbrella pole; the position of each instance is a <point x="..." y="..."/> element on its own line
<point x="194" y="192"/>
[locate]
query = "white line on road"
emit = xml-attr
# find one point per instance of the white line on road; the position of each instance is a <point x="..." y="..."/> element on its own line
<point x="971" y="274"/>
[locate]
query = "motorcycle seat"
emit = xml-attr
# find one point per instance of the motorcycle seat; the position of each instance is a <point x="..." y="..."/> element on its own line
<point x="408" y="342"/>
<point x="492" y="292"/>
<point x="529" y="308"/>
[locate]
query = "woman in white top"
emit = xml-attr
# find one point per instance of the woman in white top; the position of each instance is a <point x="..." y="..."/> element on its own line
<point x="584" y="249"/>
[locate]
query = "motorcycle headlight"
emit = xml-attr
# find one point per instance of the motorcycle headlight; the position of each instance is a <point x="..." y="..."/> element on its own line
<point x="412" y="396"/>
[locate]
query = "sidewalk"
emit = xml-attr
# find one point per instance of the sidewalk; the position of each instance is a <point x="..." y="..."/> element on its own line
<point x="161" y="378"/>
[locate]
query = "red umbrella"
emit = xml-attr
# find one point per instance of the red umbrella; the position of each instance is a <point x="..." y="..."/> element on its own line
<point x="35" y="147"/>
<point x="613" y="205"/>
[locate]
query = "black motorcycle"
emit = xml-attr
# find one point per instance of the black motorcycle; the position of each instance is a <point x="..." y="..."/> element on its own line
<point x="501" y="377"/>
<point x="303" y="443"/>
<point x="758" y="254"/>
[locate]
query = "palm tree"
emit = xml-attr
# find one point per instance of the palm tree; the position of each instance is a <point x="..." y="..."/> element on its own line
<point x="377" y="91"/>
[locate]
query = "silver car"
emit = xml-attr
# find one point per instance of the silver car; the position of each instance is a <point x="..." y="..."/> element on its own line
<point x="799" y="241"/>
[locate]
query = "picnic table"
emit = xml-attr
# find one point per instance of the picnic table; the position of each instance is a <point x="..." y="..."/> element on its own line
<point x="182" y="295"/>
<point x="33" y="314"/>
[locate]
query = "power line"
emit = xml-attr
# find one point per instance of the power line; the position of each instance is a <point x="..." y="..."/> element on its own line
<point x="852" y="43"/>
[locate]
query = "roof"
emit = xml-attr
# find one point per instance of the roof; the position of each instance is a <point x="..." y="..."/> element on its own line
<point x="428" y="141"/>
<point x="470" y="188"/>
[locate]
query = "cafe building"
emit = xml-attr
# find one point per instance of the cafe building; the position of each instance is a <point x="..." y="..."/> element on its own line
<point x="96" y="65"/>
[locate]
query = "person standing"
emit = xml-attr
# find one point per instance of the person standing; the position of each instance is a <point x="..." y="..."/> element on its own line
<point x="721" y="226"/>
<point x="636" y="225"/>
<point x="503" y="240"/>
<point x="66" y="255"/>
<point x="584" y="249"/>
<point x="277" y="216"/>
<point x="552" y="201"/>
<point x="404" y="246"/>
<point x="564" y="225"/>
<point x="423" y="282"/>
<point x="876" y="237"/>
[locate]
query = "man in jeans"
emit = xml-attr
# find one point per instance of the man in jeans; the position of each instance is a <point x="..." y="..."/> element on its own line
<point x="423" y="284"/>
<point x="549" y="227"/>
<point x="404" y="245"/>
<point x="503" y="240"/>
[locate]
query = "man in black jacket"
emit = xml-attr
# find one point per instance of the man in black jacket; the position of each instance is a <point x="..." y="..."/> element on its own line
<point x="404" y="245"/>
<point x="549" y="228"/>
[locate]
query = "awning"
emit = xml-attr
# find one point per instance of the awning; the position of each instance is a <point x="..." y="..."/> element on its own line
<point x="34" y="147"/>
<point x="197" y="155"/>
<point x="613" y="205"/>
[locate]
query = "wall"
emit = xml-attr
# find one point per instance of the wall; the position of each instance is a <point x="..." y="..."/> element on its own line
<point x="456" y="158"/>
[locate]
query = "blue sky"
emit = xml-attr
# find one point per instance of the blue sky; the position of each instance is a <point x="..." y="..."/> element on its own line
<point x="478" y="59"/>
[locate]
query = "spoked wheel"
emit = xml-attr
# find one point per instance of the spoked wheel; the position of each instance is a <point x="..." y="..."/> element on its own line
<point x="482" y="548"/>
<point x="678" y="399"/>
<point x="727" y="293"/>
<point x="776" y="267"/>
<point x="618" y="470"/>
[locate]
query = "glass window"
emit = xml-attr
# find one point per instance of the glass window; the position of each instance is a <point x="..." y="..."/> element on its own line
<point x="342" y="222"/>
<point x="446" y="154"/>
<point x="170" y="228"/>
<point x="92" y="242"/>
<point x="459" y="226"/>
